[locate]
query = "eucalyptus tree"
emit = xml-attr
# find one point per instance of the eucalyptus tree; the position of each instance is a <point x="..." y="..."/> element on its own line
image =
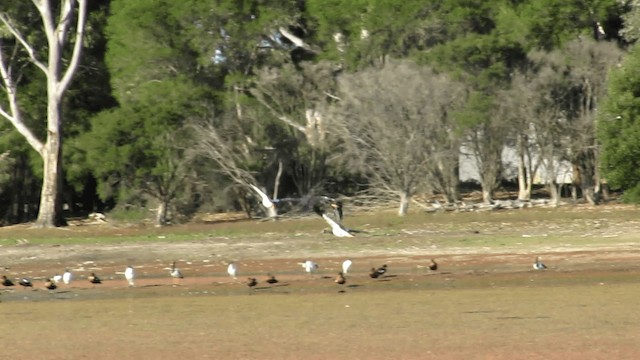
<point x="61" y="31"/>
<point x="396" y="128"/>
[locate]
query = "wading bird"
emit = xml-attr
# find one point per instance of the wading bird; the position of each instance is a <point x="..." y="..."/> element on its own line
<point x="374" y="273"/>
<point x="129" y="274"/>
<point x="94" y="279"/>
<point x="175" y="273"/>
<point x="50" y="285"/>
<point x="67" y="277"/>
<point x="346" y="265"/>
<point x="382" y="270"/>
<point x="309" y="266"/>
<point x="232" y="270"/>
<point x="538" y="265"/>
<point x="336" y="229"/>
<point x="433" y="266"/>
<point x="251" y="282"/>
<point x="271" y="279"/>
<point x="25" y="282"/>
<point x="6" y="281"/>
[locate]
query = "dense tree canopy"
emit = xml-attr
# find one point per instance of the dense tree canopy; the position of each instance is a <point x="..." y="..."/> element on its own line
<point x="173" y="99"/>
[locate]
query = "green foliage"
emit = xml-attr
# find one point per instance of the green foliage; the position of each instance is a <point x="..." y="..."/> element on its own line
<point x="619" y="128"/>
<point x="131" y="143"/>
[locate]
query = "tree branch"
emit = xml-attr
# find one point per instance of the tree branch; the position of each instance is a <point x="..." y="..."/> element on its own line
<point x="23" y="42"/>
<point x="77" y="48"/>
<point x="14" y="117"/>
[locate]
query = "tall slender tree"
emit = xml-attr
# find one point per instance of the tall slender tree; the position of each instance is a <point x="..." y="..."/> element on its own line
<point x="58" y="73"/>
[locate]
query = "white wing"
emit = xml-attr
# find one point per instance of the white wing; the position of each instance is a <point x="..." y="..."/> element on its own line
<point x="345" y="266"/>
<point x="66" y="277"/>
<point x="336" y="229"/>
<point x="266" y="202"/>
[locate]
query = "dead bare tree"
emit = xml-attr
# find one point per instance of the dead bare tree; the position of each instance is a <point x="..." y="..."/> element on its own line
<point x="517" y="106"/>
<point x="210" y="144"/>
<point x="296" y="97"/>
<point x="58" y="80"/>
<point x="395" y="126"/>
<point x="588" y="63"/>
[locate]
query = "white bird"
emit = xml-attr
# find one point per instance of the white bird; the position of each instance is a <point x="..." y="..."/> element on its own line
<point x="538" y="265"/>
<point x="346" y="265"/>
<point x="175" y="273"/>
<point x="67" y="276"/>
<point x="57" y="278"/>
<point x="309" y="266"/>
<point x="129" y="274"/>
<point x="266" y="201"/>
<point x="336" y="229"/>
<point x="232" y="270"/>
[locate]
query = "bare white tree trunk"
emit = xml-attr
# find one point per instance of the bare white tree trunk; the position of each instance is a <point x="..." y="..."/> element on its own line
<point x="58" y="80"/>
<point x="524" y="191"/>
<point x="405" y="198"/>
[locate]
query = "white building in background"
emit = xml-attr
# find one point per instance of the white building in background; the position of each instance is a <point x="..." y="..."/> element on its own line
<point x="469" y="168"/>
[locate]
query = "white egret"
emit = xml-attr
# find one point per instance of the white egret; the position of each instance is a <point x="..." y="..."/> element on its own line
<point x="129" y="274"/>
<point x="346" y="265"/>
<point x="336" y="229"/>
<point x="232" y="270"/>
<point x="67" y="277"/>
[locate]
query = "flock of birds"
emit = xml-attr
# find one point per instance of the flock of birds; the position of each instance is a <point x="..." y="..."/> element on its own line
<point x="309" y="266"/>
